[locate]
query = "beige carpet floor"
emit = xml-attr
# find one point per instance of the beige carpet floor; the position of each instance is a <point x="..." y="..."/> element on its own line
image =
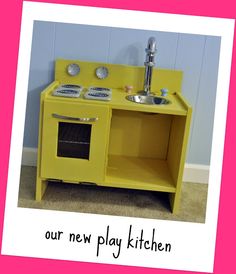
<point x="113" y="201"/>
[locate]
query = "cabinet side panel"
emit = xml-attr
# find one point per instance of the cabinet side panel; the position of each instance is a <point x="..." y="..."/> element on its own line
<point x="40" y="184"/>
<point x="177" y="153"/>
<point x="176" y="143"/>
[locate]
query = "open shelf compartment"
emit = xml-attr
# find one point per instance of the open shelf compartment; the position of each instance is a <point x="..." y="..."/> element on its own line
<point x="145" y="150"/>
<point x="139" y="173"/>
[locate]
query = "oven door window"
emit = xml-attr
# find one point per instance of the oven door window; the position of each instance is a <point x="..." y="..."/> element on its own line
<point x="74" y="140"/>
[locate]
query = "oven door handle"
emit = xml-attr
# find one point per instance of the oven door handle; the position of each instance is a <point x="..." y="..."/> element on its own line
<point x="78" y="119"/>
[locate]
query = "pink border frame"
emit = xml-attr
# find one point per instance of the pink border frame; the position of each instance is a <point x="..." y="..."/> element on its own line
<point x="10" y="20"/>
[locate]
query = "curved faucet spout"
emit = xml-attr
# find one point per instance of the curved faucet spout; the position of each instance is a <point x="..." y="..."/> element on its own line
<point x="151" y="46"/>
<point x="149" y="64"/>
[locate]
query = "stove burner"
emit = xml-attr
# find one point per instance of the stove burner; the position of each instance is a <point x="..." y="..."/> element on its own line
<point x="98" y="94"/>
<point x="70" y="86"/>
<point x="67" y="91"/>
<point x="99" y="89"/>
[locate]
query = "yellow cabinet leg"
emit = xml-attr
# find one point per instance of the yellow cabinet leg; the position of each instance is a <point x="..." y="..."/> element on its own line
<point x="41" y="186"/>
<point x="174" y="202"/>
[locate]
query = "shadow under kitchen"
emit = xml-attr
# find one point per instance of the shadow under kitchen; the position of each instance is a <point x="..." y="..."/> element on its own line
<point x="113" y="201"/>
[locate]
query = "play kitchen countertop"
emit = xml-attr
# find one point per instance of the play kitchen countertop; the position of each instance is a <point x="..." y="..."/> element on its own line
<point x="178" y="104"/>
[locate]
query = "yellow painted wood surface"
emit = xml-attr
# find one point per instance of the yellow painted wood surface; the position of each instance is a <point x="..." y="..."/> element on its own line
<point x="119" y="76"/>
<point x="41" y="184"/>
<point x="139" y="134"/>
<point x="74" y="169"/>
<point x="139" y="173"/>
<point x="119" y="101"/>
<point x="132" y="146"/>
<point x="177" y="154"/>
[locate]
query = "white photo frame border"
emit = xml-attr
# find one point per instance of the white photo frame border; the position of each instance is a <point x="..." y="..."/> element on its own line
<point x="193" y="243"/>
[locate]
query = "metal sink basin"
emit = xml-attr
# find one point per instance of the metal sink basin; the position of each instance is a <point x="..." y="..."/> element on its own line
<point x="148" y="100"/>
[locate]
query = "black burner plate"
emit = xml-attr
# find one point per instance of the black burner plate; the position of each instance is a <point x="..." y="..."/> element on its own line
<point x="70" y="86"/>
<point x="67" y="91"/>
<point x="98" y="94"/>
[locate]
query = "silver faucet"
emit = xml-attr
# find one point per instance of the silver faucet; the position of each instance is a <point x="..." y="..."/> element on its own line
<point x="149" y="64"/>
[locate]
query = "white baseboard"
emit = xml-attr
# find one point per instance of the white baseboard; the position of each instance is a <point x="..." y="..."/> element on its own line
<point x="192" y="172"/>
<point x="29" y="156"/>
<point x="195" y="173"/>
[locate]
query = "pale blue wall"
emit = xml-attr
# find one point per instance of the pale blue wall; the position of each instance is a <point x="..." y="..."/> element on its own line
<point x="196" y="55"/>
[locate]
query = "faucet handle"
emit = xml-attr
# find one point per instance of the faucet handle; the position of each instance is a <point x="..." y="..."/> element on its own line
<point x="164" y="91"/>
<point x="128" y="88"/>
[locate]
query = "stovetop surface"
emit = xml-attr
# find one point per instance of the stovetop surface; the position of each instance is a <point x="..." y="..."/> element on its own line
<point x="74" y="91"/>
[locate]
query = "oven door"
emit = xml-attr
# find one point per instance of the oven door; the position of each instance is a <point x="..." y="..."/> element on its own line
<point x="74" y="141"/>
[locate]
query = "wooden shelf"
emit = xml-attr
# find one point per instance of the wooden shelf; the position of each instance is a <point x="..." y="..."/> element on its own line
<point x="139" y="173"/>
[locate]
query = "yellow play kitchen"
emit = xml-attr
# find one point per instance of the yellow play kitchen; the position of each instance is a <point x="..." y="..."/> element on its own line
<point x="114" y="125"/>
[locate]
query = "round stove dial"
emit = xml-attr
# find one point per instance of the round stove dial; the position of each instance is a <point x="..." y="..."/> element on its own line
<point x="73" y="69"/>
<point x="102" y="72"/>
